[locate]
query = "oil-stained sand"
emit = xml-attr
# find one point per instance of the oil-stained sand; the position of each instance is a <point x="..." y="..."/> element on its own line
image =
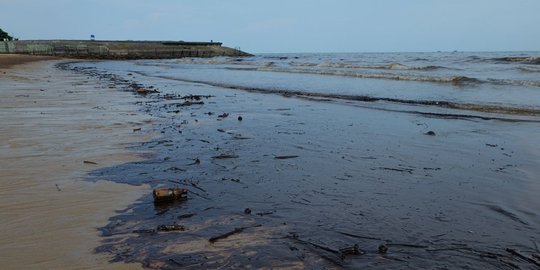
<point x="323" y="175"/>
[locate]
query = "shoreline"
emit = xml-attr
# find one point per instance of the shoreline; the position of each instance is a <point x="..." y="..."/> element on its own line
<point x="324" y="173"/>
<point x="302" y="179"/>
<point x="53" y="121"/>
<point x="11" y="60"/>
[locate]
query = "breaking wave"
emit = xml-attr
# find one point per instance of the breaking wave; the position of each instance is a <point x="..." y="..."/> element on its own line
<point x="519" y="59"/>
<point x="485" y="108"/>
<point x="529" y="68"/>
<point x="393" y="66"/>
<point x="457" y="80"/>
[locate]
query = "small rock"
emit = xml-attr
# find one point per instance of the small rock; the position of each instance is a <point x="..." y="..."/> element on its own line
<point x="247" y="211"/>
<point x="240" y="118"/>
<point x="430" y="133"/>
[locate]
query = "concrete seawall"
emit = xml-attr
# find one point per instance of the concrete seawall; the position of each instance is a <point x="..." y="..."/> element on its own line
<point x="118" y="49"/>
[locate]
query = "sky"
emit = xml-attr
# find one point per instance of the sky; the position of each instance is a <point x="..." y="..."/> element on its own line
<point x="283" y="26"/>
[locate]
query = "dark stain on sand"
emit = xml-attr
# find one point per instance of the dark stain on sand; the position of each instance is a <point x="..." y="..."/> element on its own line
<point x="307" y="216"/>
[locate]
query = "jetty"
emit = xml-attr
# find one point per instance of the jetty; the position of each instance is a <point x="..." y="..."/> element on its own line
<point x="112" y="49"/>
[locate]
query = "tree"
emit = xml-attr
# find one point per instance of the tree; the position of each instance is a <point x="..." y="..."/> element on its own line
<point x="4" y="35"/>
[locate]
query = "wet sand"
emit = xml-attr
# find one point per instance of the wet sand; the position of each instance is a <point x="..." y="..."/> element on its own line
<point x="51" y="122"/>
<point x="9" y="60"/>
<point x="319" y="175"/>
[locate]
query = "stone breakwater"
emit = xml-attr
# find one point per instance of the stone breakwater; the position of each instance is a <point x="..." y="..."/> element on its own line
<point x="118" y="49"/>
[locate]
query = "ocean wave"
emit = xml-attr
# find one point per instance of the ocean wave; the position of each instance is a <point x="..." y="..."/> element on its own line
<point x="484" y="108"/>
<point x="497" y="109"/>
<point x="529" y="83"/>
<point x="393" y="66"/>
<point x="300" y="64"/>
<point x="529" y="68"/>
<point x="519" y="59"/>
<point x="457" y="80"/>
<point x="214" y="61"/>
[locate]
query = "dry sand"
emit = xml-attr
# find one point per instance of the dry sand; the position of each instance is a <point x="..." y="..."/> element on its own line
<point x="51" y="122"/>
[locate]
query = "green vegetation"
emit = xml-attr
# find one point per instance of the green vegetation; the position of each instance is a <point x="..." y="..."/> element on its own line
<point x="4" y="35"/>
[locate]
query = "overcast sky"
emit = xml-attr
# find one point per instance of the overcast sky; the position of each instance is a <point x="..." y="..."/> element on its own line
<point x="287" y="25"/>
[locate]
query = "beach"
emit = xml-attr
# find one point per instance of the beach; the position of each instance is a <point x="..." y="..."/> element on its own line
<point x="282" y="177"/>
<point x="52" y="122"/>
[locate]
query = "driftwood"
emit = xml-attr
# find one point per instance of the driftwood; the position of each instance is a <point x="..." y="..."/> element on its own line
<point x="196" y="97"/>
<point x="359" y="236"/>
<point x="341" y="253"/>
<point x="233" y="232"/>
<point x="196" y="186"/>
<point x="406" y="245"/>
<point x="170" y="228"/>
<point x="331" y="250"/>
<point x="224" y="156"/>
<point x="185" y="216"/>
<point x="189" y="103"/>
<point x="523" y="257"/>
<point x="285" y="157"/>
<point x="199" y="195"/>
<point x="144" y="231"/>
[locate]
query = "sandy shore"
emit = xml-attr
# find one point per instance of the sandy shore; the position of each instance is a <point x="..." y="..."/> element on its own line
<point x="9" y="60"/>
<point x="51" y="122"/>
<point x="285" y="182"/>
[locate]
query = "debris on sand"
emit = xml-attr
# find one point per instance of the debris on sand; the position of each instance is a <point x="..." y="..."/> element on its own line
<point x="169" y="194"/>
<point x="352" y="250"/>
<point x="185" y="216"/>
<point x="235" y="231"/>
<point x="224" y="156"/>
<point x="142" y="91"/>
<point x="89" y="162"/>
<point x="285" y="157"/>
<point x="224" y="115"/>
<point x="170" y="228"/>
<point x="189" y="103"/>
<point x="430" y="133"/>
<point x="195" y="97"/>
<point x="383" y="249"/>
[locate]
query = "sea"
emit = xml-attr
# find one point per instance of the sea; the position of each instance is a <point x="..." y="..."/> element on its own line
<point x="477" y="82"/>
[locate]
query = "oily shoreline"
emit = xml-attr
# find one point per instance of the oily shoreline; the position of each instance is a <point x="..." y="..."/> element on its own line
<point x="316" y="179"/>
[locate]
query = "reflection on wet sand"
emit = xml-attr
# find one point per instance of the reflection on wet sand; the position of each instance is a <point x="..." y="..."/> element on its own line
<point x="51" y="122"/>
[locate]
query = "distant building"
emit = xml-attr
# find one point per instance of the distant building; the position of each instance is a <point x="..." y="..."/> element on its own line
<point x="92" y="37"/>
